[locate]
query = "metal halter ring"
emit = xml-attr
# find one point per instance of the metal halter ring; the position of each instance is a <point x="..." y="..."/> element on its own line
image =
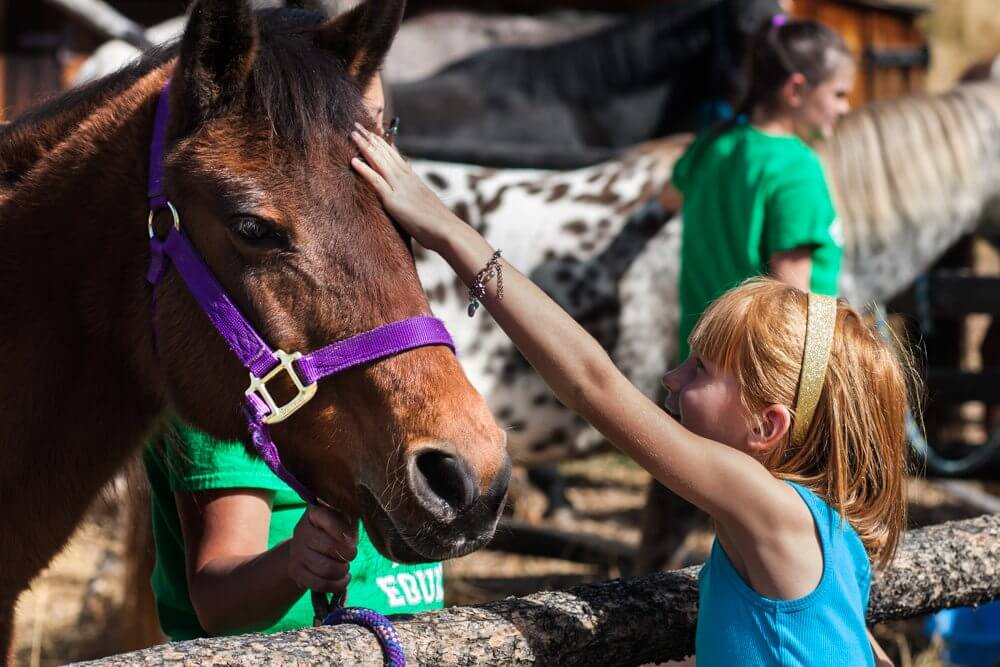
<point x="173" y="212"/>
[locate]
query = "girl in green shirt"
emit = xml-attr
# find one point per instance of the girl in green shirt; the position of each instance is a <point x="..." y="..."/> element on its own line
<point x="237" y="549"/>
<point x="755" y="199"/>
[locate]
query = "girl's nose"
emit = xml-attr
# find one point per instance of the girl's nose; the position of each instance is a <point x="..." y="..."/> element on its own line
<point x="666" y="379"/>
<point x="675" y="379"/>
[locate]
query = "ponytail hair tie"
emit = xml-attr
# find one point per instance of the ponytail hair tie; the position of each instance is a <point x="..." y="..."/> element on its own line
<point x="779" y="20"/>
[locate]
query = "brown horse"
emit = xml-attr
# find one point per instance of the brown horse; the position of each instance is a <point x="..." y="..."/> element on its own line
<point x="257" y="163"/>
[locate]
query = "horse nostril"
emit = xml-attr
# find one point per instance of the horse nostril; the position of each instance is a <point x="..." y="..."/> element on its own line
<point x="448" y="479"/>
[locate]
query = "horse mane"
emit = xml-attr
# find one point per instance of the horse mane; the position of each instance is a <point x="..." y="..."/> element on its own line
<point x="922" y="165"/>
<point x="295" y="85"/>
<point x="298" y="86"/>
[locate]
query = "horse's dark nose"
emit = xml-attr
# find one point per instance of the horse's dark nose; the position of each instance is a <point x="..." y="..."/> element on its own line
<point x="443" y="482"/>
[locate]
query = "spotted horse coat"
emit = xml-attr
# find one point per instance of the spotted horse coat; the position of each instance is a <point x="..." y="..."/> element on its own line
<point x="909" y="177"/>
<point x="580" y="236"/>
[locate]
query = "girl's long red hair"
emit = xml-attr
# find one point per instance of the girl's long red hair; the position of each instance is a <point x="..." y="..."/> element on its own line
<point x="854" y="453"/>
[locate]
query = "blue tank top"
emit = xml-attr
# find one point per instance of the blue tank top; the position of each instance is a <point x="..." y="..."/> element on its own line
<point x="739" y="626"/>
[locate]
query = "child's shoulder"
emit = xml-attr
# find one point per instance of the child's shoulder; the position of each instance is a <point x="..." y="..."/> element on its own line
<point x="785" y="147"/>
<point x="788" y="160"/>
<point x="745" y="142"/>
<point x="833" y="526"/>
<point x="714" y="146"/>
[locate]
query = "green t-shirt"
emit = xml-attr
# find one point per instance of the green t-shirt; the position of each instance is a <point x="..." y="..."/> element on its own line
<point x="747" y="196"/>
<point x="198" y="462"/>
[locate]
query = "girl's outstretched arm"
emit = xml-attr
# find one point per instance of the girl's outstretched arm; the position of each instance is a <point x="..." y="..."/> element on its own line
<point x="724" y="482"/>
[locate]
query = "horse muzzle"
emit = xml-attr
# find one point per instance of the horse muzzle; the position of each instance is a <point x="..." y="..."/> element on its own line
<point x="455" y="518"/>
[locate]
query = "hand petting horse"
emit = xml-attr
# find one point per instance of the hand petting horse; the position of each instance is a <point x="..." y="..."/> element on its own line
<point x="256" y="165"/>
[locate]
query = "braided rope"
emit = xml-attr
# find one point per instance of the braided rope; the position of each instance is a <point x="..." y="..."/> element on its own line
<point x="392" y="648"/>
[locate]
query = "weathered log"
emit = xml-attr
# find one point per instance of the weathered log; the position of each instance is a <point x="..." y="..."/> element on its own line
<point x="622" y="622"/>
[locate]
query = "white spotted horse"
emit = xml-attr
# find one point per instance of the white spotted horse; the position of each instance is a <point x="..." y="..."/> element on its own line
<point x="133" y="287"/>
<point x="577" y="233"/>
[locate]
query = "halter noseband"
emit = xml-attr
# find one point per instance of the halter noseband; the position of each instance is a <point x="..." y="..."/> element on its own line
<point x="263" y="363"/>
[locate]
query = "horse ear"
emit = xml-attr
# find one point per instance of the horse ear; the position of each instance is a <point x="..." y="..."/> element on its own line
<point x="216" y="54"/>
<point x="362" y="36"/>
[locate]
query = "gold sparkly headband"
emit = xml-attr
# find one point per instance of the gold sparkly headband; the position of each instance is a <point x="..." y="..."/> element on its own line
<point x="821" y="315"/>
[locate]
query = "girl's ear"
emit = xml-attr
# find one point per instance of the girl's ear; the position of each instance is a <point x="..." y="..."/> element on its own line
<point x="794" y="90"/>
<point x="775" y="422"/>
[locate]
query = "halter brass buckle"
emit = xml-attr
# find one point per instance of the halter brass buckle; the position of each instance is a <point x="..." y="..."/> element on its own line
<point x="258" y="386"/>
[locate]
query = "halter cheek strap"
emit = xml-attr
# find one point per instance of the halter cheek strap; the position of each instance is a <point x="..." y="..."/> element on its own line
<point x="821" y="316"/>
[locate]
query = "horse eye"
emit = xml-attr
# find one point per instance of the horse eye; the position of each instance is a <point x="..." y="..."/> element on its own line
<point x="253" y="229"/>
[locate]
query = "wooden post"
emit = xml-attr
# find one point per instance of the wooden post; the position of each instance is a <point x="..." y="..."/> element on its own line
<point x="622" y="622"/>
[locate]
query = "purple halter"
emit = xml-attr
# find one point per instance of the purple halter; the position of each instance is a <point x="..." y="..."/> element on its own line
<point x="263" y="363"/>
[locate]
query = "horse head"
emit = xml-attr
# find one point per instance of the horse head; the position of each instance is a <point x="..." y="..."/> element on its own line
<point x="257" y="163"/>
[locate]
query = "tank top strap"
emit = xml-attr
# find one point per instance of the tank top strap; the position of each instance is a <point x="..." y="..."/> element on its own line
<point x="828" y="521"/>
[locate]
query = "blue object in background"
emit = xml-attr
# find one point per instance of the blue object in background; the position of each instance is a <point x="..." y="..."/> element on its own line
<point x="971" y="635"/>
<point x="713" y="111"/>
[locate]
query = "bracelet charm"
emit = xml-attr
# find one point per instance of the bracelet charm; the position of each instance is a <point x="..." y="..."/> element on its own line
<point x="477" y="291"/>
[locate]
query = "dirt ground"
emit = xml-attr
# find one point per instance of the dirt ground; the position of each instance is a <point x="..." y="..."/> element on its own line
<point x="74" y="609"/>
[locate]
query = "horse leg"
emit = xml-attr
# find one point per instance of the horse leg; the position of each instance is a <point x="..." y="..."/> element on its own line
<point x="23" y="558"/>
<point x="667" y="519"/>
<point x="943" y="422"/>
<point x="140" y="625"/>
<point x="990" y="348"/>
<point x="7" y="631"/>
<point x="991" y="359"/>
<point x="43" y="503"/>
<point x="550" y="482"/>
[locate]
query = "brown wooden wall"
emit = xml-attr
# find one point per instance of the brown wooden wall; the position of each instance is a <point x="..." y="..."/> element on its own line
<point x="885" y="38"/>
<point x="40" y="48"/>
<point x="26" y="79"/>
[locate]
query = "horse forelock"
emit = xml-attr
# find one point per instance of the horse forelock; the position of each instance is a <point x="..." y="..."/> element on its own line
<point x="301" y="90"/>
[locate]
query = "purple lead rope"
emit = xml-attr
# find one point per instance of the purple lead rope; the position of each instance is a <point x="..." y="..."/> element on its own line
<point x="393" y="654"/>
<point x="263" y="363"/>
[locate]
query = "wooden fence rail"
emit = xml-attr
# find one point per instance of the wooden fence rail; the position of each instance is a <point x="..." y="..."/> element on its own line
<point x="621" y="622"/>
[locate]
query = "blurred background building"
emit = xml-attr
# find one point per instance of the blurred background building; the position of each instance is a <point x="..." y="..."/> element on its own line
<point x="42" y="44"/>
